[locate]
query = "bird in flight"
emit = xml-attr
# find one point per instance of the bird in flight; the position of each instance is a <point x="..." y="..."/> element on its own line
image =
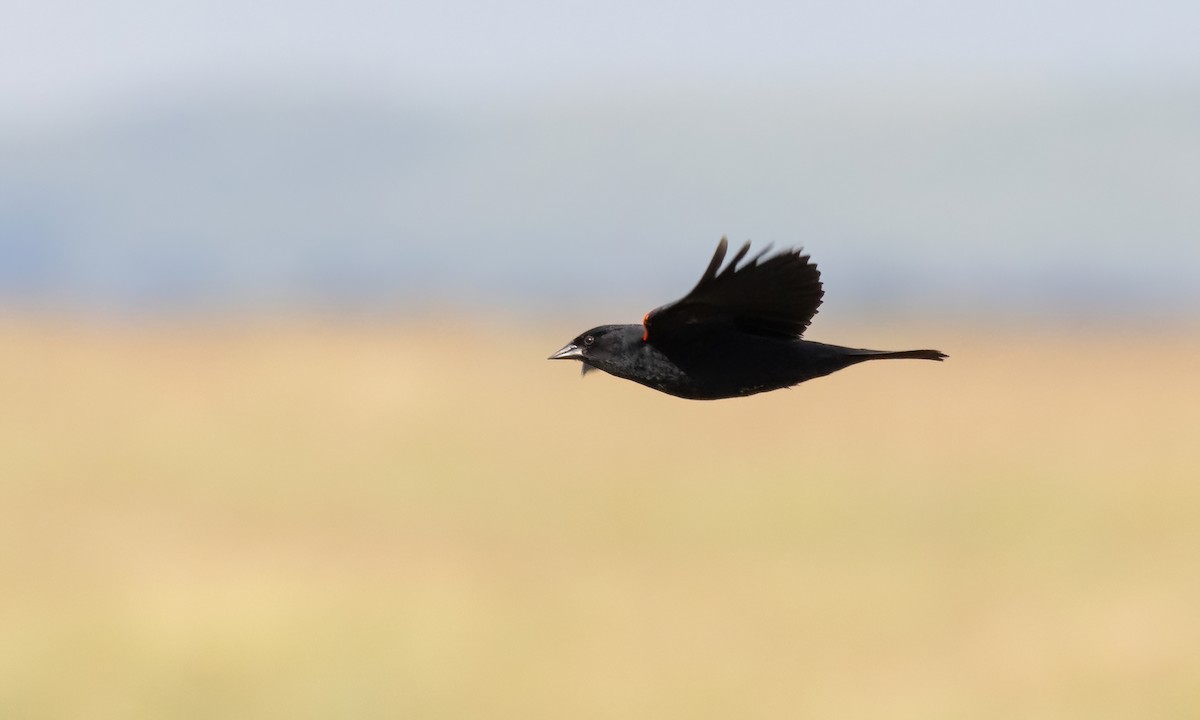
<point x="737" y="333"/>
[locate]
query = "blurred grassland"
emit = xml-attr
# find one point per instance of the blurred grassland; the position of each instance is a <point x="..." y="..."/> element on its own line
<point x="427" y="520"/>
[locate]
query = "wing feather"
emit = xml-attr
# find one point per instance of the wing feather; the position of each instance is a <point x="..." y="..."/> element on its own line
<point x="775" y="295"/>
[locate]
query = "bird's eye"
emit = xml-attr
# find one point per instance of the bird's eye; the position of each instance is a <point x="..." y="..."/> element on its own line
<point x="589" y="340"/>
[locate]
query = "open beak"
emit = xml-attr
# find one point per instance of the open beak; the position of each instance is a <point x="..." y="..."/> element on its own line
<point x="569" y="352"/>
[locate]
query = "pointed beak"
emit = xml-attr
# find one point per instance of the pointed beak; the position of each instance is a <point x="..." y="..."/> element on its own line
<point x="569" y="352"/>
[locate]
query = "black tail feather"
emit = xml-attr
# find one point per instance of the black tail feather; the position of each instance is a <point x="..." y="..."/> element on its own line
<point x="901" y="355"/>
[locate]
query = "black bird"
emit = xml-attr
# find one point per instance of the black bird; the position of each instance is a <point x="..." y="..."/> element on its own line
<point x="736" y="333"/>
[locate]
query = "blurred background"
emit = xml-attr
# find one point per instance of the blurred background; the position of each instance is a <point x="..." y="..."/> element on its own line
<point x="277" y="436"/>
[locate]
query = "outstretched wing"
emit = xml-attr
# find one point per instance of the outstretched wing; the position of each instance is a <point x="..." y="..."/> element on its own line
<point x="776" y="296"/>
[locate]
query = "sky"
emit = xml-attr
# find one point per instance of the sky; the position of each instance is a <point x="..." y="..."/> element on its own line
<point x="1030" y="154"/>
<point x="61" y="56"/>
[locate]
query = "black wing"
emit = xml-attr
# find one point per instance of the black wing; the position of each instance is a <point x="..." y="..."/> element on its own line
<point x="776" y="296"/>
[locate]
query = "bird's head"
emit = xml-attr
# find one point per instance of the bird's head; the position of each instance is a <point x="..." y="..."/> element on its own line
<point x="603" y="347"/>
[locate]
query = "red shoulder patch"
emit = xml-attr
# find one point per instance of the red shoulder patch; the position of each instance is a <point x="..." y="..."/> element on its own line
<point x="646" y="324"/>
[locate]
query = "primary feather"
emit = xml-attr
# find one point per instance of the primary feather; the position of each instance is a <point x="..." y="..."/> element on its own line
<point x="774" y="296"/>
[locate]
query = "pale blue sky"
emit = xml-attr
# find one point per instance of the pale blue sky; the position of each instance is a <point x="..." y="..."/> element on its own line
<point x="1039" y="156"/>
<point x="59" y="55"/>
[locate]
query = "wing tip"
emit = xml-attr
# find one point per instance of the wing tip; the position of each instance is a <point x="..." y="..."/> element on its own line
<point x="717" y="258"/>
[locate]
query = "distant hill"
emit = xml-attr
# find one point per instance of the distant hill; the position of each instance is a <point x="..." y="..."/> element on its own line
<point x="1018" y="199"/>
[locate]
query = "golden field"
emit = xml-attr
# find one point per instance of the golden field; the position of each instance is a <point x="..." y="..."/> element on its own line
<point x="428" y="520"/>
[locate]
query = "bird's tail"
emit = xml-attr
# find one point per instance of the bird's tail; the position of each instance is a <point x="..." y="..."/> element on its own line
<point x="900" y="355"/>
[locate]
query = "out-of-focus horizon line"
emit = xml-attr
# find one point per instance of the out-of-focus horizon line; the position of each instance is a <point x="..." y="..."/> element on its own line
<point x="1078" y="202"/>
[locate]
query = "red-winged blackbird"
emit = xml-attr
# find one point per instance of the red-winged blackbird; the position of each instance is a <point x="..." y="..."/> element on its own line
<point x="736" y="333"/>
